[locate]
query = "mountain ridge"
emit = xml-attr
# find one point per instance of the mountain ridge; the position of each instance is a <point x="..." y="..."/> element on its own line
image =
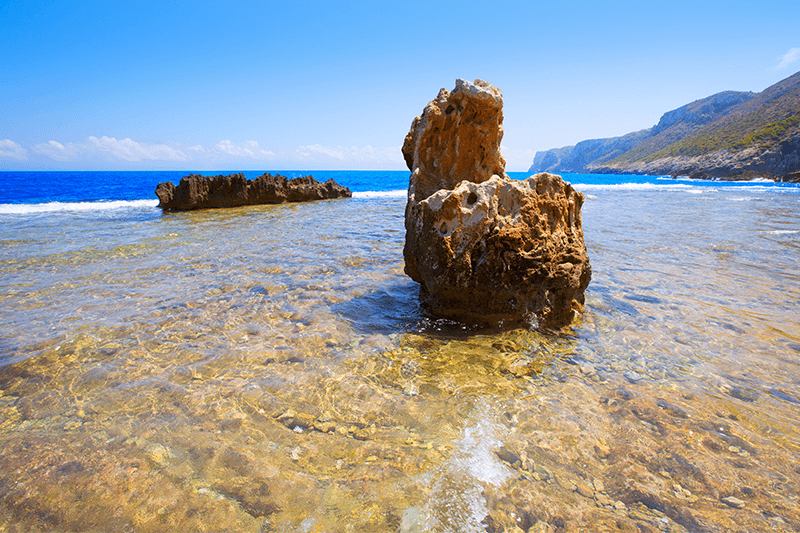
<point x="728" y="135"/>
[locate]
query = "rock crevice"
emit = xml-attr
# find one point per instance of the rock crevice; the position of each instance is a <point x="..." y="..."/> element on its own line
<point x="484" y="248"/>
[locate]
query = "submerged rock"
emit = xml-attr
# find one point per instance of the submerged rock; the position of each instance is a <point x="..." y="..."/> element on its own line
<point x="234" y="190"/>
<point x="485" y="248"/>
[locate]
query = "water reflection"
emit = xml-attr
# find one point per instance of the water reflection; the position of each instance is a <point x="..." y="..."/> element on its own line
<point x="268" y="369"/>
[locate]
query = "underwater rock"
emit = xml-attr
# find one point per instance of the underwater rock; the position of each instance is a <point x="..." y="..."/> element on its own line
<point x="198" y="192"/>
<point x="484" y="248"/>
<point x="733" y="501"/>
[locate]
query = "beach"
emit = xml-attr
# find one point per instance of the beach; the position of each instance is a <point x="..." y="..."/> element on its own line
<point x="269" y="368"/>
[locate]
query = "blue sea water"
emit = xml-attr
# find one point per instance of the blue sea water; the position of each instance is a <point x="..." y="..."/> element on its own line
<point x="112" y="189"/>
<point x="268" y="368"/>
<point x="136" y="186"/>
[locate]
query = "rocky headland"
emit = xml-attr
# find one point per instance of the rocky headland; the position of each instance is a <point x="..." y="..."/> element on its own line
<point x="730" y="135"/>
<point x="234" y="190"/>
<point x="484" y="248"/>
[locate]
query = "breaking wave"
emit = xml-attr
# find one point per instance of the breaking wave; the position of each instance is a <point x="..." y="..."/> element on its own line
<point x="65" y="207"/>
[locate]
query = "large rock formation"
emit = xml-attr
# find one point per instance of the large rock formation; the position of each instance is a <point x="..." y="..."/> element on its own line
<point x="456" y="138"/>
<point x="484" y="248"/>
<point x="234" y="190"/>
<point x="729" y="135"/>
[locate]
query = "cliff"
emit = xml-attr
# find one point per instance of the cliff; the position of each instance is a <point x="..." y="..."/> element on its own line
<point x="727" y="135"/>
<point x="577" y="158"/>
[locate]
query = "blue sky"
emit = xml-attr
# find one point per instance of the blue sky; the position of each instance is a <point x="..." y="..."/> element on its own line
<point x="251" y="85"/>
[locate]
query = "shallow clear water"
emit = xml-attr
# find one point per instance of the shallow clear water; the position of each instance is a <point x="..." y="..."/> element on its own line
<point x="268" y="369"/>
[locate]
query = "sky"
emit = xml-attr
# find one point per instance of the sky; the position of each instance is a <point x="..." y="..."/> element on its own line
<point x="307" y="85"/>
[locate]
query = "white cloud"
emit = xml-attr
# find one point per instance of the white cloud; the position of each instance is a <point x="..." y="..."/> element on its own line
<point x="133" y="151"/>
<point x="517" y="160"/>
<point x="792" y="56"/>
<point x="57" y="151"/>
<point x="9" y="148"/>
<point x="308" y="151"/>
<point x="246" y="149"/>
<point x="367" y="154"/>
<point x="110" y="152"/>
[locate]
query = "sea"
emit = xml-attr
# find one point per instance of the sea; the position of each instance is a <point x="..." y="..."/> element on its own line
<point x="269" y="369"/>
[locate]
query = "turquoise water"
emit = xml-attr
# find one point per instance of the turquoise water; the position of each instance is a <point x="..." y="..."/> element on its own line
<point x="268" y="368"/>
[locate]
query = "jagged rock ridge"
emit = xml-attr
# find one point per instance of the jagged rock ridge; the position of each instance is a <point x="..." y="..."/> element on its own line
<point x="198" y="192"/>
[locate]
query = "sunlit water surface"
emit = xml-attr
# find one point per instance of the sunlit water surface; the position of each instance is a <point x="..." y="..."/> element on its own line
<point x="268" y="369"/>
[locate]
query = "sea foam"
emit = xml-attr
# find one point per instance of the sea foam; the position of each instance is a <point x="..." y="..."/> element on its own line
<point x="56" y="207"/>
<point x="402" y="193"/>
<point x="630" y="186"/>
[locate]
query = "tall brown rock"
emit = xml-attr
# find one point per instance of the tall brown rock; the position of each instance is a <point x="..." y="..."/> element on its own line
<point x="456" y="138"/>
<point x="484" y="248"/>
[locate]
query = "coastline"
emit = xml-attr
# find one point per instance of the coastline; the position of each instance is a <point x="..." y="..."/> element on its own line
<point x="690" y="171"/>
<point x="269" y="368"/>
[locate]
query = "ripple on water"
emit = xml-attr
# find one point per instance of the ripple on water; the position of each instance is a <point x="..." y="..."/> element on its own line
<point x="223" y="370"/>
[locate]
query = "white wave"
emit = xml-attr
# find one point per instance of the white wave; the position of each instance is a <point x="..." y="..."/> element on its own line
<point x="402" y="193"/>
<point x="718" y="180"/>
<point x="630" y="186"/>
<point x="63" y="207"/>
<point x="784" y="232"/>
<point x="456" y="500"/>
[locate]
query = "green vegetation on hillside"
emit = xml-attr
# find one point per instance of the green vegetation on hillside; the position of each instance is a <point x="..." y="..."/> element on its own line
<point x="762" y="126"/>
<point x="750" y="131"/>
<point x="769" y="133"/>
<point x="700" y="144"/>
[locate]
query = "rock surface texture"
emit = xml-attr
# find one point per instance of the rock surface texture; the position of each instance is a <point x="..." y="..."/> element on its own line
<point x="484" y="248"/>
<point x="234" y="190"/>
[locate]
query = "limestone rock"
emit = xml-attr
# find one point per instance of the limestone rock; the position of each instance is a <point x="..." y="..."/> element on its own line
<point x="234" y="190"/>
<point x="484" y="248"/>
<point x="456" y="138"/>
